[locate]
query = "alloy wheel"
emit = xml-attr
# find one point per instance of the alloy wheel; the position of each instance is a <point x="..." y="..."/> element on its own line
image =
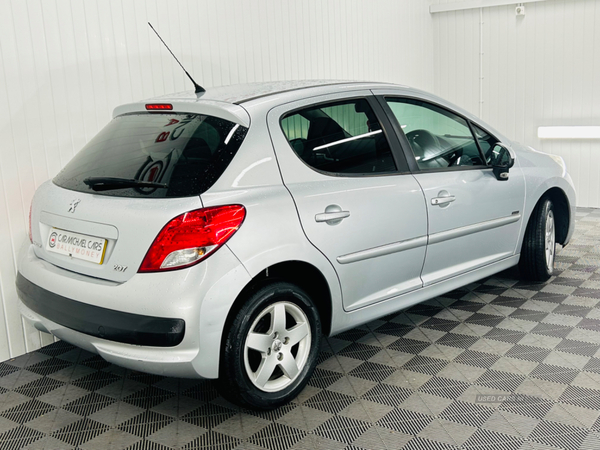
<point x="277" y="346"/>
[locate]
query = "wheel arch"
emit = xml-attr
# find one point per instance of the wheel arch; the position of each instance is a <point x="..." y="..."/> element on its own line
<point x="562" y="212"/>
<point x="304" y="275"/>
<point x="562" y="216"/>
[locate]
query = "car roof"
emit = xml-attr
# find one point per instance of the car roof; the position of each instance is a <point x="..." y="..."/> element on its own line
<point x="233" y="102"/>
<point x="225" y="101"/>
<point x="241" y="93"/>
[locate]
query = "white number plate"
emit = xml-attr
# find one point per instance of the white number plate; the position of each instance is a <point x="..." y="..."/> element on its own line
<point x="76" y="245"/>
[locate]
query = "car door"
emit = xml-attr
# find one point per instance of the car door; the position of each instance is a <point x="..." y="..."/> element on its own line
<point x="474" y="218"/>
<point x="356" y="200"/>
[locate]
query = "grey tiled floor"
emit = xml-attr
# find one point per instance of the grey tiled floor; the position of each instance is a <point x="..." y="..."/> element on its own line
<point x="499" y="364"/>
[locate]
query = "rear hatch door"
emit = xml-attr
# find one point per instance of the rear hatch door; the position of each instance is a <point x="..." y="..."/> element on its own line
<point x="102" y="212"/>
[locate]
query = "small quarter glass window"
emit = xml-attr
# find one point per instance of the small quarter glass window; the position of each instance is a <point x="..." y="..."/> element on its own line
<point x="487" y="142"/>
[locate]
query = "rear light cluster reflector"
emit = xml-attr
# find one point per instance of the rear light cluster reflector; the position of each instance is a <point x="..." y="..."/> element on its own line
<point x="191" y="237"/>
<point x="158" y="106"/>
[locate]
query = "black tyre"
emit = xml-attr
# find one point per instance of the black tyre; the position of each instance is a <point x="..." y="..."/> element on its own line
<point x="271" y="348"/>
<point x="539" y="244"/>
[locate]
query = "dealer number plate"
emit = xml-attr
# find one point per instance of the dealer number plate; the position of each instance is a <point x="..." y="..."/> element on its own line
<point x="75" y="245"/>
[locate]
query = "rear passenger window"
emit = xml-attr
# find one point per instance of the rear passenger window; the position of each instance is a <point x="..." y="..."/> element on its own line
<point x="342" y="137"/>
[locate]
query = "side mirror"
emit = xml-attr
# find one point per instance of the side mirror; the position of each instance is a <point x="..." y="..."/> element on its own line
<point x="502" y="159"/>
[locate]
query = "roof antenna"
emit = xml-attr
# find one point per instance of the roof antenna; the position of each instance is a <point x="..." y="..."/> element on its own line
<point x="198" y="89"/>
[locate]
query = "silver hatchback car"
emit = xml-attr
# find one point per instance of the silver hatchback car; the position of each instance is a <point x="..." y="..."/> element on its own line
<point x="221" y="234"/>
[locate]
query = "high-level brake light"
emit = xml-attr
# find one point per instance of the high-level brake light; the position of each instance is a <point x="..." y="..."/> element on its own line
<point x="159" y="106"/>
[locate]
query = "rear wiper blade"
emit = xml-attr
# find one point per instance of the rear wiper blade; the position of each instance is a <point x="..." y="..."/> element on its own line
<point x="111" y="183"/>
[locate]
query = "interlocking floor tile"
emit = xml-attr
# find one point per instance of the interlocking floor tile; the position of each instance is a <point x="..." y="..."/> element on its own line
<point x="483" y="437"/>
<point x="209" y="415"/>
<point x="27" y="411"/>
<point x="48" y="366"/>
<point x="149" y="397"/>
<point x="89" y="404"/>
<point x="39" y="387"/>
<point x="529" y="406"/>
<point x="342" y="429"/>
<point x="497" y="379"/>
<point x="80" y="432"/>
<point x="372" y="371"/>
<point x="405" y="421"/>
<point x="387" y="394"/>
<point x="558" y="435"/>
<point x="277" y="435"/>
<point x="472" y="414"/>
<point x="444" y="387"/>
<point x="19" y="437"/>
<point x="330" y="401"/>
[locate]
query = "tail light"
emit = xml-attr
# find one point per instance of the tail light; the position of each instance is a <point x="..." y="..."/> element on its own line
<point x="191" y="237"/>
<point x="30" y="229"/>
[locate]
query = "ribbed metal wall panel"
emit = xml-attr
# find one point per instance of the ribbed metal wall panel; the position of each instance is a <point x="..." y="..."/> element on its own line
<point x="64" y="65"/>
<point x="540" y="69"/>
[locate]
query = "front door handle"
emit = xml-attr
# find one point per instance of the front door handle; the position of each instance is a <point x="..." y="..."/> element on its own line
<point x="332" y="216"/>
<point x="440" y="201"/>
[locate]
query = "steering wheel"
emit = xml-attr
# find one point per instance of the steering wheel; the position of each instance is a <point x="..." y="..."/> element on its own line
<point x="421" y="141"/>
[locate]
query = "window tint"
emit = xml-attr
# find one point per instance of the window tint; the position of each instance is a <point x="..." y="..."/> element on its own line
<point x="486" y="143"/>
<point x="438" y="138"/>
<point x="341" y="137"/>
<point x="187" y="152"/>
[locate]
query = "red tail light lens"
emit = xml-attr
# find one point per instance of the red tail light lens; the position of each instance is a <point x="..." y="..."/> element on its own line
<point x="159" y="106"/>
<point x="30" y="229"/>
<point x="191" y="237"/>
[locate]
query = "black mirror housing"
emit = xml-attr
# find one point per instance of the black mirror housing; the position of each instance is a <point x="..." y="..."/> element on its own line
<point x="500" y="172"/>
<point x="502" y="161"/>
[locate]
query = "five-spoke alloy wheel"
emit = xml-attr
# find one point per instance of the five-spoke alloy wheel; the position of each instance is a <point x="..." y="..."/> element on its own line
<point x="274" y="357"/>
<point x="272" y="347"/>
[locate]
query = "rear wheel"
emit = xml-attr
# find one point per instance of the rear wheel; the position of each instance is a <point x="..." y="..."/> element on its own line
<point x="271" y="348"/>
<point x="539" y="245"/>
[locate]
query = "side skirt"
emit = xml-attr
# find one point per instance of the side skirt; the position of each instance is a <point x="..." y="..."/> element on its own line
<point x="343" y="321"/>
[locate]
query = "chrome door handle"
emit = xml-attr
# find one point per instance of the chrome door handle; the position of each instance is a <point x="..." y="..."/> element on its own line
<point x="442" y="200"/>
<point x="332" y="216"/>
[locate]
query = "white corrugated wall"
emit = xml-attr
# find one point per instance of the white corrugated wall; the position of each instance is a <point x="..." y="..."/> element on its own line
<point x="541" y="69"/>
<point x="64" y="65"/>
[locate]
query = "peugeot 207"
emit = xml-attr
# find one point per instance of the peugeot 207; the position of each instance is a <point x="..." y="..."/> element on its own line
<point x="220" y="234"/>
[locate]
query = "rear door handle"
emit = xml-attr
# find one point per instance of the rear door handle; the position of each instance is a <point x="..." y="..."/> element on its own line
<point x="332" y="216"/>
<point x="442" y="200"/>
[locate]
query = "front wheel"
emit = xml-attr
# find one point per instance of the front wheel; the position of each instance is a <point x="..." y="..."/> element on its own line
<point x="539" y="244"/>
<point x="271" y="348"/>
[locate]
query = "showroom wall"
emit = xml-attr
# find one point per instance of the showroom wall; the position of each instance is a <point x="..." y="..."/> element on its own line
<point x="522" y="72"/>
<point x="64" y="65"/>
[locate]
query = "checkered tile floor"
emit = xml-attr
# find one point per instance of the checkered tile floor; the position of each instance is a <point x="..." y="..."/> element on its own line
<point x="499" y="364"/>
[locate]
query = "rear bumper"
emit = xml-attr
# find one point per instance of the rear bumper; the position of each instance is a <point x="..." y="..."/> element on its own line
<point x="165" y="361"/>
<point x="100" y="322"/>
<point x="168" y="323"/>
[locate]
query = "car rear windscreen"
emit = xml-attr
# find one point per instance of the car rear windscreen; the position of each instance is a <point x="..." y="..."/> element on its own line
<point x="154" y="155"/>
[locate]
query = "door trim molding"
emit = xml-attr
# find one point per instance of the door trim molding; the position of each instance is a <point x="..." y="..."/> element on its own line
<point x="471" y="229"/>
<point x="421" y="241"/>
<point x="387" y="249"/>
